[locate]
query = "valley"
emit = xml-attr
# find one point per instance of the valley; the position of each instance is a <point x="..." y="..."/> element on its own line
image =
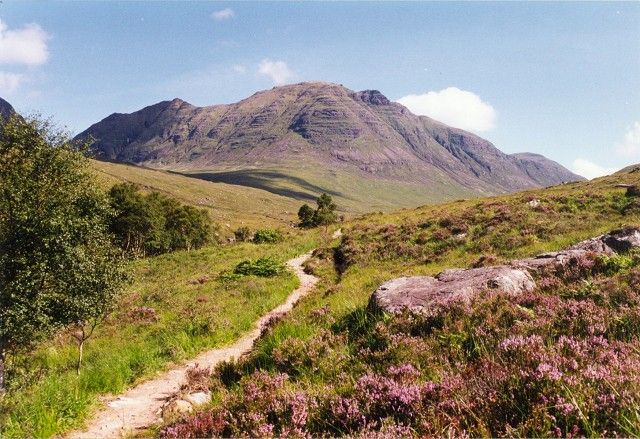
<point x="319" y="219"/>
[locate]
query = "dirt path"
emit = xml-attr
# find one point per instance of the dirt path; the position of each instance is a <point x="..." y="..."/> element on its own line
<point x="137" y="408"/>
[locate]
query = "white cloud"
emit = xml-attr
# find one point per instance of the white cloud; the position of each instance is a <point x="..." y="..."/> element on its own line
<point x="27" y="45"/>
<point x="630" y="145"/>
<point x="589" y="169"/>
<point x="455" y="107"/>
<point x="9" y="82"/>
<point x="278" y="71"/>
<point x="223" y="14"/>
<point x="239" y="68"/>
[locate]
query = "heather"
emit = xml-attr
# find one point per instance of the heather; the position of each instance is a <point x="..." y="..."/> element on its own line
<point x="563" y="360"/>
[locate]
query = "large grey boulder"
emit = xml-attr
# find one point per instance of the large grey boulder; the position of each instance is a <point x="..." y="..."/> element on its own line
<point x="428" y="295"/>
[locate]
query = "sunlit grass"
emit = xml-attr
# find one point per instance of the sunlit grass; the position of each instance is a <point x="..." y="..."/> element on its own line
<point x="189" y="317"/>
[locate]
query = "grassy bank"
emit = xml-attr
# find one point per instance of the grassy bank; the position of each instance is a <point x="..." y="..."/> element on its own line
<point x="175" y="307"/>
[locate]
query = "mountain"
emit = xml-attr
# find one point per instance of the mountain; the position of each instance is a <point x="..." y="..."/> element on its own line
<point x="6" y="110"/>
<point x="318" y="136"/>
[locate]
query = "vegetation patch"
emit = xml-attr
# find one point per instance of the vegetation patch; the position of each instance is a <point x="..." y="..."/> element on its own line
<point x="560" y="361"/>
<point x="264" y="267"/>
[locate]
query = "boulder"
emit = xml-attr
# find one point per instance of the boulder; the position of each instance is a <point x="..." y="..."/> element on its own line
<point x="426" y="295"/>
<point x="176" y="408"/>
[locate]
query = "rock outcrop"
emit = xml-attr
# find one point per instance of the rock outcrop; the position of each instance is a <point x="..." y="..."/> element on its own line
<point x="428" y="295"/>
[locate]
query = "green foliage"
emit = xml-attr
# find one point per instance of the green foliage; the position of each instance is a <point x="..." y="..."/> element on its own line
<point x="243" y="234"/>
<point x="306" y="215"/>
<point x="267" y="236"/>
<point x="264" y="267"/>
<point x="57" y="264"/>
<point x="324" y="214"/>
<point x="614" y="263"/>
<point x="154" y="224"/>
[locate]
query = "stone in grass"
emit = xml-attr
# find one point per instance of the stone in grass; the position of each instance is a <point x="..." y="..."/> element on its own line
<point x="176" y="408"/>
<point x="198" y="398"/>
<point x="428" y="295"/>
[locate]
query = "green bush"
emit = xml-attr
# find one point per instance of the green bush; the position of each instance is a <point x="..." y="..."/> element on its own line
<point x="264" y="267"/>
<point x="263" y="236"/>
<point x="612" y="264"/>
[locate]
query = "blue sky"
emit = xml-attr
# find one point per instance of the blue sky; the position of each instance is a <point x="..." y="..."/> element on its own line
<point x="560" y="79"/>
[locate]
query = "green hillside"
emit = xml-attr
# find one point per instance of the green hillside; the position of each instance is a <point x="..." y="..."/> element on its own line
<point x="335" y="367"/>
<point x="331" y="343"/>
<point x="355" y="193"/>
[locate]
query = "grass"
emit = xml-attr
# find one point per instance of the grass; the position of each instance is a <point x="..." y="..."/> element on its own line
<point x="354" y="192"/>
<point x="175" y="308"/>
<point x="337" y="355"/>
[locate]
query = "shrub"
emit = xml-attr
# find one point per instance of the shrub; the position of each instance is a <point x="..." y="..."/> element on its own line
<point x="613" y="264"/>
<point x="263" y="236"/>
<point x="265" y="267"/>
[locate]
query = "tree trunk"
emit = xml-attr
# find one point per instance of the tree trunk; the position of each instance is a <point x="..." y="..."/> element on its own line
<point x="80" y="351"/>
<point x="3" y="386"/>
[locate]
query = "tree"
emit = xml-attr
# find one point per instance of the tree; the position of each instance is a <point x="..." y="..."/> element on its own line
<point x="153" y="224"/>
<point x="188" y="227"/>
<point x="57" y="265"/>
<point x="324" y="214"/>
<point x="305" y="214"/>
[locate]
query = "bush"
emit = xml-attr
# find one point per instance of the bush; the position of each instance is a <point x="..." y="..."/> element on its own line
<point x="243" y="234"/>
<point x="265" y="267"/>
<point x="264" y="236"/>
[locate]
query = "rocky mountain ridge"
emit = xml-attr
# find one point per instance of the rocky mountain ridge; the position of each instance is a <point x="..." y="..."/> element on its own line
<point x="318" y="124"/>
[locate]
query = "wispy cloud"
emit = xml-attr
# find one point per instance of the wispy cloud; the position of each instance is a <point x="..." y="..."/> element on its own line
<point x="630" y="145"/>
<point x="223" y="14"/>
<point x="589" y="169"/>
<point x="278" y="71"/>
<point x="9" y="82"/>
<point x="26" y="46"/>
<point x="459" y="108"/>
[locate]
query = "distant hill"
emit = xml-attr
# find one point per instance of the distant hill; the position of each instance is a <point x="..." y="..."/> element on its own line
<point x="316" y="136"/>
<point x="629" y="169"/>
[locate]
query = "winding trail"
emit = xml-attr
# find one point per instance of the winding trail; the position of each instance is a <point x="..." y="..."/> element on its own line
<point x="137" y="408"/>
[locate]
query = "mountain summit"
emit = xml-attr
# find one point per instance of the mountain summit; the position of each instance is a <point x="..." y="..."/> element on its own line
<point x="304" y="130"/>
